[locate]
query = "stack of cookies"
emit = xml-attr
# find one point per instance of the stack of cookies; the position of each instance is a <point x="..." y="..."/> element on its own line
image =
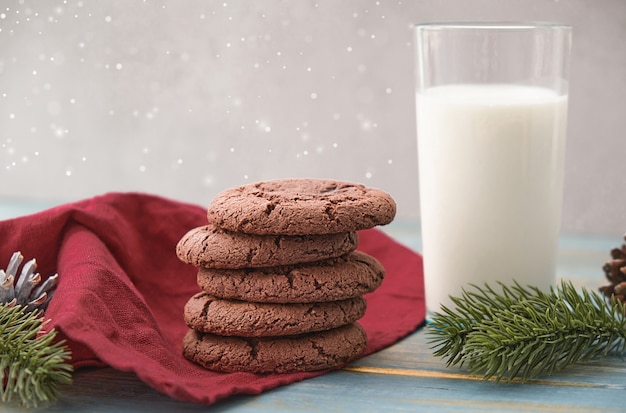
<point x="282" y="283"/>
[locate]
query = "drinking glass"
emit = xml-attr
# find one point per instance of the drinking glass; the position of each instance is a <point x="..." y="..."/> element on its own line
<point x="491" y="101"/>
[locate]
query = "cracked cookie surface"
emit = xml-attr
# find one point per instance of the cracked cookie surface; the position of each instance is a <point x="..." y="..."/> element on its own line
<point x="348" y="276"/>
<point x="301" y="206"/>
<point x="212" y="247"/>
<point x="209" y="314"/>
<point x="305" y="352"/>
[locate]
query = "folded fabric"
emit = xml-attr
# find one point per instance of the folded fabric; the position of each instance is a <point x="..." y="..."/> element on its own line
<point x="122" y="290"/>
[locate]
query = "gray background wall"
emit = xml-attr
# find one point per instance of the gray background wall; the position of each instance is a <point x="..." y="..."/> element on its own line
<point x="187" y="98"/>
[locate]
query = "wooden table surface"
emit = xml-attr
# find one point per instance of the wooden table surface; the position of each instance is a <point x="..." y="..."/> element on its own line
<point x="404" y="377"/>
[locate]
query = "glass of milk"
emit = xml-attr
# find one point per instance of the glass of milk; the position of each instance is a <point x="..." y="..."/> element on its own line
<point x="491" y="104"/>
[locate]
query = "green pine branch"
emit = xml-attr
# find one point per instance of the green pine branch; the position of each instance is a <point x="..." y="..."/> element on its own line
<point x="32" y="365"/>
<point x="524" y="332"/>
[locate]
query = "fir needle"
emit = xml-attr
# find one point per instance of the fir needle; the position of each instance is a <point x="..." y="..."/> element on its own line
<point x="524" y="332"/>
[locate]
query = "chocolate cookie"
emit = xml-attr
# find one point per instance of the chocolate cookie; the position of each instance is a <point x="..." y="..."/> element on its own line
<point x="349" y="276"/>
<point x="208" y="314"/>
<point x="305" y="352"/>
<point x="211" y="247"/>
<point x="301" y="206"/>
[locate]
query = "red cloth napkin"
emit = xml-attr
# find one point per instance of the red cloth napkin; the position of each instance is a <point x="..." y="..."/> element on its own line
<point x="122" y="290"/>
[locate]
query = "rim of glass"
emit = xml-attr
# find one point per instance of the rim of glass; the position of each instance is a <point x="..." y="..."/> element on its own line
<point x="492" y="25"/>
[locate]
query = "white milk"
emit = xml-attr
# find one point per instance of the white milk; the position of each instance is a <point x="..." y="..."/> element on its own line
<point x="491" y="183"/>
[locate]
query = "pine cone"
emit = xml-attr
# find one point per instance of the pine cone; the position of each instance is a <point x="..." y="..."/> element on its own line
<point x="27" y="289"/>
<point x="615" y="271"/>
